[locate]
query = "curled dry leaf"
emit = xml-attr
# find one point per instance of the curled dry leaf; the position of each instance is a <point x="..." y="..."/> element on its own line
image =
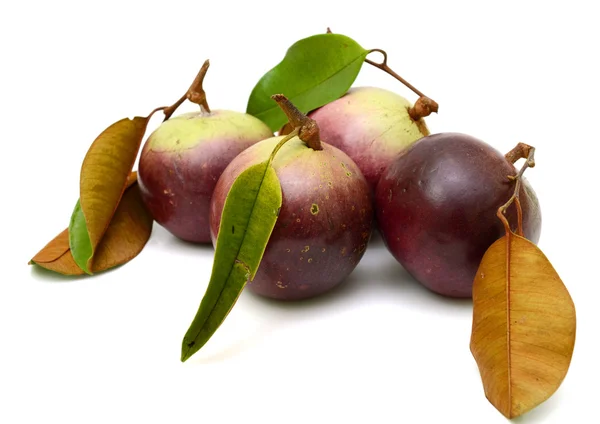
<point x="126" y="236"/>
<point x="524" y="321"/>
<point x="104" y="174"/>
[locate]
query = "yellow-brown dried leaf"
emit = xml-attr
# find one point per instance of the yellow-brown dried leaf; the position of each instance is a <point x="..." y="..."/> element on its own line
<point x="524" y="324"/>
<point x="105" y="171"/>
<point x="126" y="236"/>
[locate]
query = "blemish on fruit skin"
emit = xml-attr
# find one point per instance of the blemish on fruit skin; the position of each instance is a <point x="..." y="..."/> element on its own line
<point x="309" y="260"/>
<point x="353" y="207"/>
<point x="314" y="209"/>
<point x="390" y="196"/>
<point x="297" y="219"/>
<point x="306" y="249"/>
<point x="280" y="285"/>
<point x="233" y="229"/>
<point x="288" y="250"/>
<point x="343" y="251"/>
<point x="301" y="258"/>
<point x="330" y="184"/>
<point x="323" y="250"/>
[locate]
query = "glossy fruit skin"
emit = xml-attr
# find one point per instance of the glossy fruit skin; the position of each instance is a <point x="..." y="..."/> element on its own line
<point x="371" y="125"/>
<point x="436" y="209"/>
<point x="324" y="224"/>
<point x="183" y="159"/>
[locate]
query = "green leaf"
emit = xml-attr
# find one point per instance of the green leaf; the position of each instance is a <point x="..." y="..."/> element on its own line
<point x="79" y="239"/>
<point x="315" y="71"/>
<point x="249" y="215"/>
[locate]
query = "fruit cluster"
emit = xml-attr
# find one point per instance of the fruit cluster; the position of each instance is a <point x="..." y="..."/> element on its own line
<point x="291" y="215"/>
<point x="434" y="196"/>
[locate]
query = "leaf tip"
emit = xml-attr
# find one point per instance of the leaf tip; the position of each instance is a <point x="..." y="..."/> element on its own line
<point x="188" y="349"/>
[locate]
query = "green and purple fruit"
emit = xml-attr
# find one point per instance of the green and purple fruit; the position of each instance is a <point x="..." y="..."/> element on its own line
<point x="183" y="159"/>
<point x="324" y="224"/>
<point x="371" y="125"/>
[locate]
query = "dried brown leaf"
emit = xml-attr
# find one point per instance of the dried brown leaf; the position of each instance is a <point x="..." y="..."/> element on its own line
<point x="125" y="237"/>
<point x="524" y="324"/>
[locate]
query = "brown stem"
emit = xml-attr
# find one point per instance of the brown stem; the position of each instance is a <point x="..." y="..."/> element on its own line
<point x="424" y="106"/>
<point x="520" y="151"/>
<point x="308" y="130"/>
<point x="194" y="94"/>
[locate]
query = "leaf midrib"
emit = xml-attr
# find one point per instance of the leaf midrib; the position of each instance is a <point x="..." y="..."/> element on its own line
<point x="508" y="346"/>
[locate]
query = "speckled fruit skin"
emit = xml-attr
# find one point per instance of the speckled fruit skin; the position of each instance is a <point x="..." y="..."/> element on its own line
<point x="371" y="125"/>
<point x="183" y="159"/>
<point x="436" y="209"/>
<point x="323" y="227"/>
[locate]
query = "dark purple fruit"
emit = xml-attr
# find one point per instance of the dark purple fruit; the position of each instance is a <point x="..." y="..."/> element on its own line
<point x="436" y="207"/>
<point x="324" y="224"/>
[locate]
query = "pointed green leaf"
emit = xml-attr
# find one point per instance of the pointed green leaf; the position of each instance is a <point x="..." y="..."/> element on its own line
<point x="315" y="71"/>
<point x="251" y="208"/>
<point x="79" y="239"/>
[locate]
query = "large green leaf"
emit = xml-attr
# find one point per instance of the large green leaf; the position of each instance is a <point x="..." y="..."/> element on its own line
<point x="315" y="71"/>
<point x="248" y="218"/>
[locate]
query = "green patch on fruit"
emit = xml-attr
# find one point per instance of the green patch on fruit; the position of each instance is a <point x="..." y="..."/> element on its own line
<point x="250" y="210"/>
<point x="191" y="129"/>
<point x="315" y="71"/>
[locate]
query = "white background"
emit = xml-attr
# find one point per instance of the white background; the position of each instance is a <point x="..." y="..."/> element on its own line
<point x="379" y="349"/>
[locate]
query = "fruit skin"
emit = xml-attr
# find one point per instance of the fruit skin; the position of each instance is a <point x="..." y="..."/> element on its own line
<point x="371" y="125"/>
<point x="436" y="209"/>
<point x="323" y="227"/>
<point x="182" y="160"/>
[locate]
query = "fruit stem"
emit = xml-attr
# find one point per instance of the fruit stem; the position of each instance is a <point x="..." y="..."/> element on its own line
<point x="424" y="106"/>
<point x="194" y="94"/>
<point x="308" y="130"/>
<point x="520" y="151"/>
